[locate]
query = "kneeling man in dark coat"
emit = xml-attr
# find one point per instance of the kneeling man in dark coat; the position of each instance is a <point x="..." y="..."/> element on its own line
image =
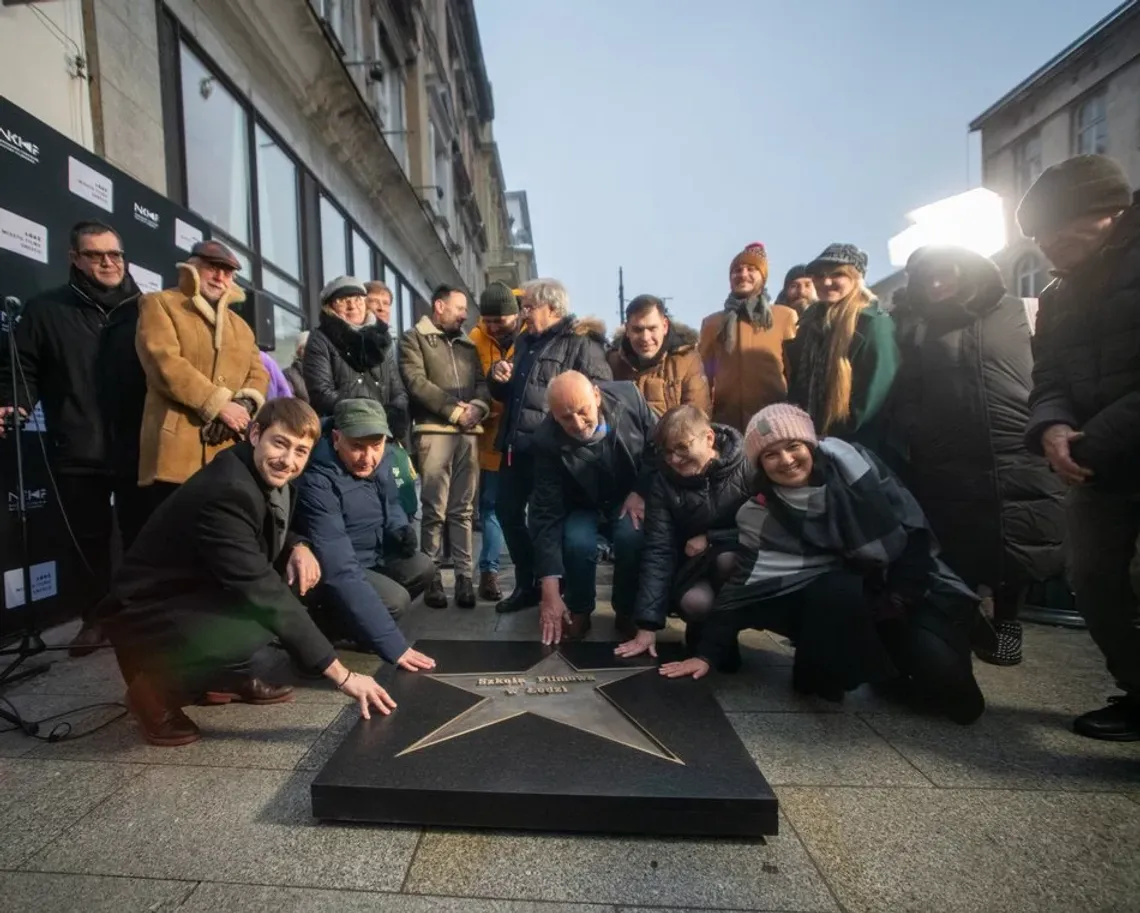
<point x="208" y="583"/>
<point x="593" y="460"/>
<point x="348" y="507"/>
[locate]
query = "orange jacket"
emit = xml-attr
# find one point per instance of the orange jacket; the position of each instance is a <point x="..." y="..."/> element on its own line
<point x="489" y="353"/>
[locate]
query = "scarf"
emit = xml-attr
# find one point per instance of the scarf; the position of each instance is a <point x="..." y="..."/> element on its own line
<point x="98" y="294"/>
<point x="855" y="515"/>
<point x="756" y="311"/>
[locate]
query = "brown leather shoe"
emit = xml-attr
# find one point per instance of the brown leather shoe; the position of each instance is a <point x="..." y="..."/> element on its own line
<point x="160" y="722"/>
<point x="578" y="627"/>
<point x="489" y="588"/>
<point x="87" y="641"/>
<point x="250" y="691"/>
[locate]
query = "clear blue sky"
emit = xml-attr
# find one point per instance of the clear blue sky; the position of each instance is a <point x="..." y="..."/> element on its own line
<point x="664" y="135"/>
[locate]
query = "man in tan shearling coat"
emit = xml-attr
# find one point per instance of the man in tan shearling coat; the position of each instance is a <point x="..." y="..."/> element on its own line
<point x="205" y="380"/>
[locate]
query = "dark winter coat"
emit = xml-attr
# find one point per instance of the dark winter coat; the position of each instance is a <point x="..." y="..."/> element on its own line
<point x="350" y="523"/>
<point x="962" y="403"/>
<point x="598" y="475"/>
<point x="295" y="374"/>
<point x="1086" y="350"/>
<point x="569" y="345"/>
<point x="874" y="363"/>
<point x="676" y="376"/>
<point x="78" y="358"/>
<point x="681" y="507"/>
<point x="439" y="372"/>
<point x="204" y="570"/>
<point x="346" y="363"/>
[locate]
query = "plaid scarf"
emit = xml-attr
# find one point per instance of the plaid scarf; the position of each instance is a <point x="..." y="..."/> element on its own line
<point x="853" y="515"/>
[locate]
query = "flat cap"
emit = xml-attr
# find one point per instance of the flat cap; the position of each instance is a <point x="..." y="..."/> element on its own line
<point x="215" y="252"/>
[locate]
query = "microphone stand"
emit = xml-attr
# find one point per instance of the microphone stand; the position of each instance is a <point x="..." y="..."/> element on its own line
<point x="31" y="643"/>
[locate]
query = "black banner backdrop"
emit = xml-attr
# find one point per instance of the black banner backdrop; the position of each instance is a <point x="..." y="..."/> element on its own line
<point x="47" y="184"/>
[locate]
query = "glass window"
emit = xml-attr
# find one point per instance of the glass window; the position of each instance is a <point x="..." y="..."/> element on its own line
<point x="216" y="135"/>
<point x="407" y="308"/>
<point x="277" y="205"/>
<point x="287" y="326"/>
<point x="1031" y="277"/>
<point x="1027" y="161"/>
<point x="282" y="287"/>
<point x="361" y="257"/>
<point x="1092" y="126"/>
<point x="246" y="271"/>
<point x="334" y="257"/>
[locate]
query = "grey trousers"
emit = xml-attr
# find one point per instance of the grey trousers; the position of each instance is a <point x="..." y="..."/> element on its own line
<point x="449" y="477"/>
<point x="1104" y="569"/>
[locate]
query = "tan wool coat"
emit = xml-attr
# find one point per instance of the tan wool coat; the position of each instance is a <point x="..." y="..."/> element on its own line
<point x="197" y="357"/>
<point x="752" y="375"/>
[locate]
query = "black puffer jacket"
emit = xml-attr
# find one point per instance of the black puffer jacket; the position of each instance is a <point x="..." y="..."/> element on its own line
<point x="346" y="363"/>
<point x="961" y="407"/>
<point x="680" y="507"/>
<point x="569" y="345"/>
<point x="596" y="475"/>
<point x="1087" y="359"/>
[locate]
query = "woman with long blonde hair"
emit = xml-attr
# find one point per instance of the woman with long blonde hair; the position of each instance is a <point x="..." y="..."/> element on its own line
<point x="842" y="363"/>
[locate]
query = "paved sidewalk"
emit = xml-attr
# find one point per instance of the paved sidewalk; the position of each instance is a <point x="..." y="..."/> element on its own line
<point x="883" y="810"/>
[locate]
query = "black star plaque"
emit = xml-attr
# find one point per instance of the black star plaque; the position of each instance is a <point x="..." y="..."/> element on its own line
<point x="515" y="735"/>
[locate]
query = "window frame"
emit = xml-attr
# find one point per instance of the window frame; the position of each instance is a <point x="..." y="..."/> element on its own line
<point x="1036" y="276"/>
<point x="1098" y="96"/>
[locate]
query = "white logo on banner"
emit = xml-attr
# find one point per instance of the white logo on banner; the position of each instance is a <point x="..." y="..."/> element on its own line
<point x="16" y="144"/>
<point x="23" y="236"/>
<point x="43" y="581"/>
<point x="33" y="499"/>
<point x="186" y="236"/>
<point x="146" y="216"/>
<point x="84" y="181"/>
<point x="14" y="588"/>
<point x="145" y="279"/>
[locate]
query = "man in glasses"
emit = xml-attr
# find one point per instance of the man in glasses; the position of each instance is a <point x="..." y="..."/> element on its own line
<point x="77" y="356"/>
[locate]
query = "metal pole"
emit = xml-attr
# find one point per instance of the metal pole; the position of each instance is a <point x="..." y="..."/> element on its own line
<point x="621" y="296"/>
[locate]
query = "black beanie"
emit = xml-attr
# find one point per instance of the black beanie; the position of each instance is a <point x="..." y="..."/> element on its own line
<point x="799" y="271"/>
<point x="498" y="300"/>
<point x="1080" y="186"/>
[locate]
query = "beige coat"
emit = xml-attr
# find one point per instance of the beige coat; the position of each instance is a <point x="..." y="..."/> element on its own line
<point x="197" y="357"/>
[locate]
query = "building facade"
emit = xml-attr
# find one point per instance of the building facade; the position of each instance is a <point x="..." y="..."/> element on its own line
<point x="317" y="137"/>
<point x="1084" y="100"/>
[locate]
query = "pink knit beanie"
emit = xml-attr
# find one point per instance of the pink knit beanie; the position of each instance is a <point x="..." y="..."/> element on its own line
<point x="775" y="423"/>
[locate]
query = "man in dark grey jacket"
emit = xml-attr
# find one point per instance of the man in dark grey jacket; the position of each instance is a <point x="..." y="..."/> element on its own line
<point x="555" y="341"/>
<point x="448" y="399"/>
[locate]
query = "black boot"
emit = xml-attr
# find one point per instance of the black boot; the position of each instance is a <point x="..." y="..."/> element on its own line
<point x="464" y="592"/>
<point x="521" y="598"/>
<point x="1118" y="722"/>
<point x="435" y="596"/>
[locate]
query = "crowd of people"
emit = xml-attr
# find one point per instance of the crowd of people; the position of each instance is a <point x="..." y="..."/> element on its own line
<point x="881" y="487"/>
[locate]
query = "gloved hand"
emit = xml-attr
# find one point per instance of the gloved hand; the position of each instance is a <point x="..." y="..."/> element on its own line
<point x="247" y="404"/>
<point x="397" y="422"/>
<point x="409" y="543"/>
<point x="216" y="433"/>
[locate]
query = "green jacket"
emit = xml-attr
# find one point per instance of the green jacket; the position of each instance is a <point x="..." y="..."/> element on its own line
<point x="439" y="372"/>
<point x="874" y="359"/>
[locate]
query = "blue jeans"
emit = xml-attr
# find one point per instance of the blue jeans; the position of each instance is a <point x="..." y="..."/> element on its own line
<point x="492" y="530"/>
<point x="580" y="560"/>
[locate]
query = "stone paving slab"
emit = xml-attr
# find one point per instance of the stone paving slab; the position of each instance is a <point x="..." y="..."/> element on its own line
<point x="38" y="891"/>
<point x="971" y="851"/>
<point x="329" y="740"/>
<point x="795" y="749"/>
<point x="95" y="677"/>
<point x="245" y="826"/>
<point x="40" y="800"/>
<point x="34" y="708"/>
<point x="211" y="898"/>
<point x="1012" y="750"/>
<point x="712" y="874"/>
<point x="234" y="735"/>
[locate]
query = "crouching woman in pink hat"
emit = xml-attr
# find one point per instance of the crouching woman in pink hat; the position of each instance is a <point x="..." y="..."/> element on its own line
<point x="836" y="554"/>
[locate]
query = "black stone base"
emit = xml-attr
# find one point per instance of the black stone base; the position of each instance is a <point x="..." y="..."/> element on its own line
<point x="535" y="773"/>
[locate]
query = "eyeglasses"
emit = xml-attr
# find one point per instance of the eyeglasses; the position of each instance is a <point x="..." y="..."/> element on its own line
<point x="98" y="256"/>
<point x="681" y="450"/>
